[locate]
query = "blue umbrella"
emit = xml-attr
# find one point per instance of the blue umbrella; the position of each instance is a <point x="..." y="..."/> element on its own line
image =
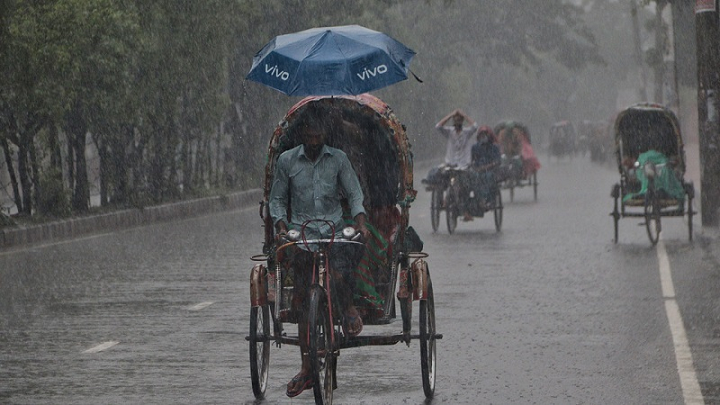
<point x="326" y="61"/>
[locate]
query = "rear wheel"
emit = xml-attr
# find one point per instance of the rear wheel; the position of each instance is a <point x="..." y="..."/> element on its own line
<point x="498" y="210"/>
<point x="259" y="349"/>
<point x="452" y="209"/>
<point x="652" y="217"/>
<point x="320" y="350"/>
<point x="535" y="185"/>
<point x="615" y="194"/>
<point x="690" y="193"/>
<point x="435" y="207"/>
<point x="690" y="219"/>
<point x="428" y="361"/>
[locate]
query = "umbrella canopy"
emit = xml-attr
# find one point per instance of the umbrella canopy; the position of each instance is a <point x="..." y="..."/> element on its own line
<point x="326" y="61"/>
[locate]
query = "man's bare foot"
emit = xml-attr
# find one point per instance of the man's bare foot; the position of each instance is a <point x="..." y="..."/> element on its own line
<point x="352" y="322"/>
<point x="299" y="383"/>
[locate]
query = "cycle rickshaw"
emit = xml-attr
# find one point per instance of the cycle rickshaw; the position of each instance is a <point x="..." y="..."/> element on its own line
<point x="446" y="191"/>
<point x="651" y="162"/>
<point x="519" y="165"/>
<point x="393" y="264"/>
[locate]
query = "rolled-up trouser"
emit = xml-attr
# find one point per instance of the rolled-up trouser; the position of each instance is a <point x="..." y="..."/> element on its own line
<point x="343" y="259"/>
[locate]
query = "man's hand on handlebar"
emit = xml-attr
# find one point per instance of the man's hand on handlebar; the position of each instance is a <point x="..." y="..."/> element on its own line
<point x="280" y="230"/>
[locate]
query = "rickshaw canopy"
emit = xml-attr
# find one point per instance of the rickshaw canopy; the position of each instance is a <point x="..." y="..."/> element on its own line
<point x="368" y="131"/>
<point x="648" y="126"/>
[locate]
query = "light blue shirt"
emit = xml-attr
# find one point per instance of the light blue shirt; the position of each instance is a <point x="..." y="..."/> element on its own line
<point x="313" y="189"/>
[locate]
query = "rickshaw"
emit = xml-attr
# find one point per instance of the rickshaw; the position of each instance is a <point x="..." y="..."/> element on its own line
<point x="562" y="140"/>
<point x="392" y="265"/>
<point x="600" y="140"/>
<point x="519" y="164"/>
<point x="651" y="162"/>
<point x="445" y="194"/>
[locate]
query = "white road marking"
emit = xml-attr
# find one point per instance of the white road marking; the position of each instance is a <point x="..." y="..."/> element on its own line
<point x="683" y="356"/>
<point x="101" y="347"/>
<point x="200" y="306"/>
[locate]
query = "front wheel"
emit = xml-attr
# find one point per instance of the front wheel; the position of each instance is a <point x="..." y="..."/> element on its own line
<point x="498" y="210"/>
<point x="259" y="349"/>
<point x="652" y="217"/>
<point x="535" y="185"/>
<point x="453" y="209"/>
<point x="320" y="349"/>
<point x="428" y="359"/>
<point x="435" y="207"/>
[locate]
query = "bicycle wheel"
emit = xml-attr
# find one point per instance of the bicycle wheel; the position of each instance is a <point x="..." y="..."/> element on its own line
<point x="322" y="356"/>
<point x="535" y="184"/>
<point x="452" y="209"/>
<point x="652" y="217"/>
<point x="435" y="206"/>
<point x="498" y="210"/>
<point x="259" y="349"/>
<point x="428" y="359"/>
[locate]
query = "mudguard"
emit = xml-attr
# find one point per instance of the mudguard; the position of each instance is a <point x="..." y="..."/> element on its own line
<point x="258" y="285"/>
<point x="421" y="279"/>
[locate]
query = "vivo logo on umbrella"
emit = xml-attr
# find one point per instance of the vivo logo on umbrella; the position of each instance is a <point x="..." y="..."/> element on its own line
<point x="377" y="70"/>
<point x="274" y="71"/>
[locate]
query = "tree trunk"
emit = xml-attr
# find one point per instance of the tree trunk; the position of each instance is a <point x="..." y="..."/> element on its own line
<point x="660" y="48"/>
<point x="23" y="172"/>
<point x="11" y="172"/>
<point x="34" y="170"/>
<point x="77" y="131"/>
<point x="104" y="162"/>
<point x="638" y="49"/>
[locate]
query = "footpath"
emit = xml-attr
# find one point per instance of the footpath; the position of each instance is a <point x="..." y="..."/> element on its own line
<point x="707" y="237"/>
<point x="123" y="219"/>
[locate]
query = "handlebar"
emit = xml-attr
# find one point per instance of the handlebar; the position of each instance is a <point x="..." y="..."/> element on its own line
<point x="294" y="237"/>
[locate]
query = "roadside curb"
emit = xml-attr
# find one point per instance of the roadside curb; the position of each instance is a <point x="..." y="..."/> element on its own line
<point x="75" y="227"/>
<point x="124" y="219"/>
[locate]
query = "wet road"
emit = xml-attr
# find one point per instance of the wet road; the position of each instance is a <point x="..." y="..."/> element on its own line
<point x="548" y="311"/>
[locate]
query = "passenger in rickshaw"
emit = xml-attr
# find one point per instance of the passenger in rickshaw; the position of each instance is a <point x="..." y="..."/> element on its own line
<point x="514" y="141"/>
<point x="307" y="184"/>
<point x="485" y="158"/>
<point x="458" y="152"/>
<point x="646" y="135"/>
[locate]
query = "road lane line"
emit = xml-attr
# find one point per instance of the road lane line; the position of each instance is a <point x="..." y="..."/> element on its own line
<point x="683" y="356"/>
<point x="101" y="347"/>
<point x="200" y="306"/>
<point x="668" y="289"/>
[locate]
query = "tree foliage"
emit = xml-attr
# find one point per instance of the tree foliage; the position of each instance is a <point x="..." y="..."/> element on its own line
<point x="145" y="101"/>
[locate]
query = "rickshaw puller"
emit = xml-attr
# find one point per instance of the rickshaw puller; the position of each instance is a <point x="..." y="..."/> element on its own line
<point x="311" y="178"/>
<point x="458" y="151"/>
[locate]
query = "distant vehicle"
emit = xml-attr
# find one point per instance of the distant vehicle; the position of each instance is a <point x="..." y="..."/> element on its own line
<point x="651" y="162"/>
<point x="519" y="165"/>
<point x="599" y="140"/>
<point x="446" y="194"/>
<point x="562" y="140"/>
